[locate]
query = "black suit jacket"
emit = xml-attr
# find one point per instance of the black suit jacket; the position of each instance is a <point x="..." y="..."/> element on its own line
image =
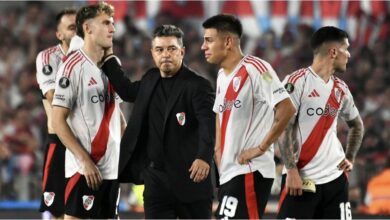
<point x="192" y="95"/>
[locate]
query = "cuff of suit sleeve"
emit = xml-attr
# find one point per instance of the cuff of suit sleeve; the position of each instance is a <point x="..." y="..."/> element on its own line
<point x="205" y="156"/>
<point x="110" y="59"/>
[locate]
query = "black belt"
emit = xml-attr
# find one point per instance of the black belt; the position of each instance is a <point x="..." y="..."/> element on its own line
<point x="157" y="166"/>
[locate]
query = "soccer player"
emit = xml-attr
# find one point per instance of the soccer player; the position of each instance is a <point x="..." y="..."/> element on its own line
<point x="168" y="144"/>
<point x="47" y="64"/>
<point x="316" y="184"/>
<point x="87" y="119"/>
<point x="252" y="109"/>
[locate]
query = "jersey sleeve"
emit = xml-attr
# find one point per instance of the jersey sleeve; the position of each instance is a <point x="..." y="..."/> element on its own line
<point x="271" y="87"/>
<point x="348" y="109"/>
<point x="294" y="88"/>
<point x="217" y="96"/>
<point x="66" y="88"/>
<point x="46" y="68"/>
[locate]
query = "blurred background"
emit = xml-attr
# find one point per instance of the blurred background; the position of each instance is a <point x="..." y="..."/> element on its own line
<point x="276" y="31"/>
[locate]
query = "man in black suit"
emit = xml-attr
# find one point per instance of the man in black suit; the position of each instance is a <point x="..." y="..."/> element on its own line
<point x="169" y="141"/>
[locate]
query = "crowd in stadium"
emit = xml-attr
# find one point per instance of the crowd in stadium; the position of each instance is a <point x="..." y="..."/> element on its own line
<point x="27" y="29"/>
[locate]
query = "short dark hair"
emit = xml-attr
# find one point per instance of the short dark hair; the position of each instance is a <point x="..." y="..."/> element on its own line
<point x="224" y="23"/>
<point x="327" y="34"/>
<point x="67" y="11"/>
<point x="91" y="11"/>
<point x="169" y="30"/>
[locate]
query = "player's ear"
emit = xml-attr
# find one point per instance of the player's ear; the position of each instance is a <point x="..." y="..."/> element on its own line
<point x="229" y="41"/>
<point x="59" y="36"/>
<point x="332" y="52"/>
<point x="87" y="26"/>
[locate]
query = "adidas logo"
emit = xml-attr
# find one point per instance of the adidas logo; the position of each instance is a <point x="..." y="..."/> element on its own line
<point x="314" y="93"/>
<point x="92" y="81"/>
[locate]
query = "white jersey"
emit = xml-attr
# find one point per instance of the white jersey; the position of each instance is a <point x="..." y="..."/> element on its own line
<point x="318" y="105"/>
<point x="245" y="101"/>
<point x="95" y="114"/>
<point x="47" y="63"/>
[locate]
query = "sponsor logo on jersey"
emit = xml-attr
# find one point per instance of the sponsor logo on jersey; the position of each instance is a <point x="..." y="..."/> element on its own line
<point x="328" y="110"/>
<point x="229" y="104"/>
<point x="236" y="83"/>
<point x="279" y="90"/>
<point x="103" y="98"/>
<point x="181" y="118"/>
<point x="47" y="70"/>
<point x="59" y="97"/>
<point x="49" y="82"/>
<point x="314" y="93"/>
<point x="289" y="87"/>
<point x="88" y="202"/>
<point x="48" y="198"/>
<point x="64" y="82"/>
<point x="92" y="81"/>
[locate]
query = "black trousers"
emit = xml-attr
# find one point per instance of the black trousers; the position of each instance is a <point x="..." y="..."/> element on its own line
<point x="330" y="201"/>
<point x="160" y="201"/>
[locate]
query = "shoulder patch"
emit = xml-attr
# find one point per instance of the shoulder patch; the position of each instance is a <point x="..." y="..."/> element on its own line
<point x="289" y="87"/>
<point x="47" y="70"/>
<point x="267" y="76"/>
<point x="64" y="82"/>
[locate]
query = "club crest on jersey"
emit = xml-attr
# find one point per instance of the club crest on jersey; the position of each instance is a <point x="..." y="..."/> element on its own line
<point x="47" y="70"/>
<point x="64" y="82"/>
<point x="48" y="198"/>
<point x="289" y="87"/>
<point x="337" y="94"/>
<point x="181" y="118"/>
<point x="88" y="201"/>
<point x="236" y="83"/>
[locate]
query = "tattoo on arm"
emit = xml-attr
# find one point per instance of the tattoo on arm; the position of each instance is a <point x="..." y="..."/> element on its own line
<point x="355" y="137"/>
<point x="286" y="145"/>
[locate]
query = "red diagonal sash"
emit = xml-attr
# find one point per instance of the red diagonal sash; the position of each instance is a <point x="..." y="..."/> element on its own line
<point x="317" y="135"/>
<point x="230" y="97"/>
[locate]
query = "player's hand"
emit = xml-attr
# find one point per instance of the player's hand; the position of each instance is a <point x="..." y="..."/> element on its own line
<point x="247" y="155"/>
<point x="199" y="170"/>
<point x="294" y="183"/>
<point x="92" y="174"/>
<point x="345" y="165"/>
<point x="108" y="51"/>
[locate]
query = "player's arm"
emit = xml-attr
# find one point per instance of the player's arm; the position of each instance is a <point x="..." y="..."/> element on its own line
<point x="284" y="110"/>
<point x="126" y="89"/>
<point x="217" y="148"/>
<point x="354" y="141"/>
<point x="202" y="104"/>
<point x="49" y="96"/>
<point x="287" y="147"/>
<point x="62" y="129"/>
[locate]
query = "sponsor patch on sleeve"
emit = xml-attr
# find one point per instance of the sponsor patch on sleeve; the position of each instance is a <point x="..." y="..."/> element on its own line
<point x="47" y="70"/>
<point x="59" y="97"/>
<point x="64" y="82"/>
<point x="289" y="87"/>
<point x="267" y="76"/>
<point x="279" y="90"/>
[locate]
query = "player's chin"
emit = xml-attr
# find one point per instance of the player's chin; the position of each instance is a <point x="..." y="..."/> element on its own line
<point x="107" y="44"/>
<point x="210" y="60"/>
